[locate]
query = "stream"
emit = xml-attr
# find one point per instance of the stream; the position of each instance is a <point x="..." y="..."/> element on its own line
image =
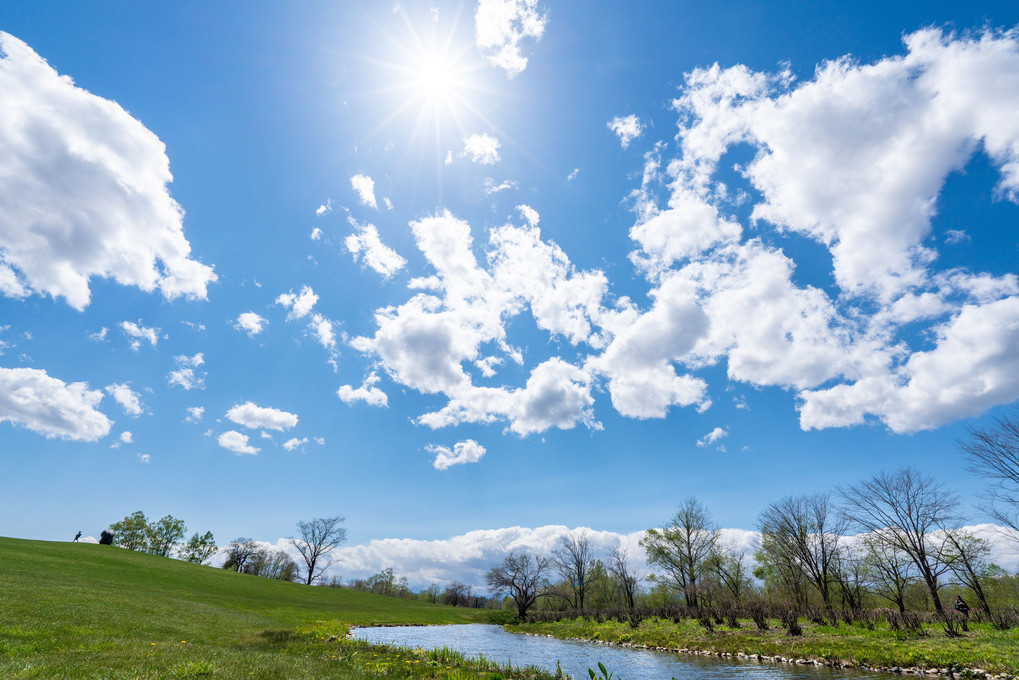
<point x="576" y="657"/>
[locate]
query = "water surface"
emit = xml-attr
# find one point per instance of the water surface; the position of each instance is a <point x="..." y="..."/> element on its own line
<point x="575" y="656"/>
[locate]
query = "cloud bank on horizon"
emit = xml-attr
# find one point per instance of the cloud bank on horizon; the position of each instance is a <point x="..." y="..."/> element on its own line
<point x="468" y="557"/>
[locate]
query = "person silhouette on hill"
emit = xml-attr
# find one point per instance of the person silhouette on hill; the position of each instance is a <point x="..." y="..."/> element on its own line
<point x="961" y="606"/>
<point x="77" y="536"/>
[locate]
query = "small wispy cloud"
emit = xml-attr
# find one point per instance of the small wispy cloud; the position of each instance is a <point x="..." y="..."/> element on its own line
<point x="627" y="128"/>
<point x="468" y="451"/>
<point x="365" y="188"/>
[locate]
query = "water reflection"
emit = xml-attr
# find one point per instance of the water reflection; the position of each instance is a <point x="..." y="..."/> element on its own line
<point x="575" y="657"/>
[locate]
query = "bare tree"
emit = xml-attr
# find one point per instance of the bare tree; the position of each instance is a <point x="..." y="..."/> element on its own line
<point x="733" y="571"/>
<point x="907" y="511"/>
<point x="805" y="531"/>
<point x="683" y="547"/>
<point x="626" y="579"/>
<point x="967" y="558"/>
<point x="572" y="560"/>
<point x="888" y="570"/>
<point x="274" y="564"/>
<point x="994" y="453"/>
<point x="318" y="539"/>
<point x="522" y="577"/>
<point x="850" y="575"/>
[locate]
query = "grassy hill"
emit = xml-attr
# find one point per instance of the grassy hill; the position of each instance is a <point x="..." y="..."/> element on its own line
<point x="75" y="610"/>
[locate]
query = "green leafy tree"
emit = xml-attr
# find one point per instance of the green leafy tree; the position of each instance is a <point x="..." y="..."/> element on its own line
<point x="132" y="532"/>
<point x="684" y="547"/>
<point x="164" y="536"/>
<point x="199" y="548"/>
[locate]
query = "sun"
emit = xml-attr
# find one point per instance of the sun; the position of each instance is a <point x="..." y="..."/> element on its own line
<point x="431" y="80"/>
<point x="435" y="77"/>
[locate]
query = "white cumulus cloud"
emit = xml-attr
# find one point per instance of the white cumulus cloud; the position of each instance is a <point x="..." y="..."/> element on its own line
<point x="83" y="192"/>
<point x="468" y="451"/>
<point x="501" y="26"/>
<point x="185" y="375"/>
<point x="259" y="417"/>
<point x="366" y="244"/>
<point x="51" y="407"/>
<point x="232" y="440"/>
<point x="364" y="186"/>
<point x="367" y="392"/>
<point x="139" y="333"/>
<point x="627" y="128"/>
<point x="713" y="437"/>
<point x="128" y="399"/>
<point x="299" y="304"/>
<point x="482" y="148"/>
<point x="294" y="442"/>
<point x="251" y="323"/>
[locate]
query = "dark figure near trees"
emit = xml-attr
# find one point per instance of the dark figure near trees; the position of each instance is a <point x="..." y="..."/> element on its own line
<point x="77" y="536"/>
<point x="961" y="606"/>
<point x="106" y="538"/>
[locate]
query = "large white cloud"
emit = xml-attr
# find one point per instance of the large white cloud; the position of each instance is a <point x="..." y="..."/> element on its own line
<point x="253" y="416"/>
<point x="83" y="192"/>
<point x="500" y="26"/>
<point x="427" y="342"/>
<point x="51" y="407"/>
<point x="853" y="160"/>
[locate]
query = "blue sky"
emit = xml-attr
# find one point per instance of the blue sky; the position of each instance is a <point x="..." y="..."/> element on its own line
<point x="445" y="267"/>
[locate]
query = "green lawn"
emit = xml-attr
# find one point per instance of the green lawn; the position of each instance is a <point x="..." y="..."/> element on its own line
<point x="70" y="610"/>
<point x="982" y="647"/>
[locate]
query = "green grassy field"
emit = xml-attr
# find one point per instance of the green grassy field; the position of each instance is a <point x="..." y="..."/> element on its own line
<point x="982" y="648"/>
<point x="70" y="610"/>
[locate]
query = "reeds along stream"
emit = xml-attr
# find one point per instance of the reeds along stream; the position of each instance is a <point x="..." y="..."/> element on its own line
<point x="576" y="658"/>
